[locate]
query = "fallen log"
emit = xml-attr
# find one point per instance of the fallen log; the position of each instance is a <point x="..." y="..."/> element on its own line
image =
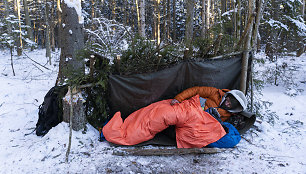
<point x="167" y="152"/>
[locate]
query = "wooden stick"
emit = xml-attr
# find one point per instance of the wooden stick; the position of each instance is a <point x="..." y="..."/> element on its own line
<point x="70" y="124"/>
<point x="36" y="62"/>
<point x="167" y="152"/>
<point x="226" y="55"/>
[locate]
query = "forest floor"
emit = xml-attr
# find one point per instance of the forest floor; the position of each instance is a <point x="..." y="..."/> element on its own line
<point x="275" y="144"/>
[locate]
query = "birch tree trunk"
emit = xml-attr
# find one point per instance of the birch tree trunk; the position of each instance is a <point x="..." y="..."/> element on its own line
<point x="208" y="15"/>
<point x="257" y="23"/>
<point x="142" y="5"/>
<point x="28" y="22"/>
<point x="141" y="17"/>
<point x="247" y="46"/>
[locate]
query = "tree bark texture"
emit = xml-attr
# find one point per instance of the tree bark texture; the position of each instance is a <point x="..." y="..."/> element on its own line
<point x="47" y="32"/>
<point x="208" y="15"/>
<point x="141" y="14"/>
<point x="189" y="22"/>
<point x="72" y="41"/>
<point x="78" y="114"/>
<point x="257" y="23"/>
<point x="52" y="26"/>
<point x="174" y="20"/>
<point x="247" y="46"/>
<point x="158" y="22"/>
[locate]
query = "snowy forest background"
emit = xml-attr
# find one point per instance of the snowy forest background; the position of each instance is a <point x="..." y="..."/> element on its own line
<point x="32" y="24"/>
<point x="144" y="35"/>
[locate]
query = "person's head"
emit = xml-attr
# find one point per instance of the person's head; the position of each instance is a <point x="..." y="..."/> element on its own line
<point x="234" y="101"/>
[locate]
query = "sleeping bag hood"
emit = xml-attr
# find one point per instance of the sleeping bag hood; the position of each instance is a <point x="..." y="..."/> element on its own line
<point x="240" y="97"/>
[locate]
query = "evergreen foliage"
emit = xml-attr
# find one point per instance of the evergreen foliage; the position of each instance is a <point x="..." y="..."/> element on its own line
<point x="10" y="32"/>
<point x="143" y="56"/>
<point x="286" y="27"/>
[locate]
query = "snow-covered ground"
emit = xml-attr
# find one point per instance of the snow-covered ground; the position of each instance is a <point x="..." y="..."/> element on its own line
<point x="266" y="148"/>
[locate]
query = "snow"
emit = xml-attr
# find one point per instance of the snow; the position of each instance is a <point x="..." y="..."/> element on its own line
<point x="265" y="148"/>
<point x="274" y="23"/>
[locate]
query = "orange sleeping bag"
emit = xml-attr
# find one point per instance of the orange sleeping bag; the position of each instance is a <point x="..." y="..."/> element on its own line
<point x="194" y="127"/>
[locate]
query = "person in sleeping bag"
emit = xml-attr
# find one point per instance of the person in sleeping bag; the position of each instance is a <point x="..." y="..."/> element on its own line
<point x="225" y="101"/>
<point x="194" y="128"/>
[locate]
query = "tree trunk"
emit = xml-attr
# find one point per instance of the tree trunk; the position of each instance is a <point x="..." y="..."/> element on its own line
<point x="59" y="22"/>
<point x="92" y="9"/>
<point x="168" y="23"/>
<point x="78" y="119"/>
<point x="223" y="10"/>
<point x="19" y="40"/>
<point x="203" y="15"/>
<point x="154" y="27"/>
<point x="72" y="41"/>
<point x="158" y="22"/>
<point x="208" y="16"/>
<point x="138" y="16"/>
<point x="164" y="14"/>
<point x="52" y="26"/>
<point x="28" y="22"/>
<point x="142" y="5"/>
<point x="257" y="23"/>
<point x="141" y="14"/>
<point x="247" y="46"/>
<point x="47" y="32"/>
<point x="189" y="23"/>
<point x="238" y="19"/>
<point x="174" y="20"/>
<point x="303" y="10"/>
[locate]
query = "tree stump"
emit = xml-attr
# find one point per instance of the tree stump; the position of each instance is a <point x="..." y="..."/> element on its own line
<point x="78" y="116"/>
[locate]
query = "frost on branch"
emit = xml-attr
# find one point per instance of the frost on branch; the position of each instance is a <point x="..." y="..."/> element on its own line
<point x="107" y="37"/>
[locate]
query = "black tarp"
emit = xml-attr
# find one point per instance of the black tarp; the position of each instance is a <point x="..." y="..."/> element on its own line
<point x="130" y="93"/>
